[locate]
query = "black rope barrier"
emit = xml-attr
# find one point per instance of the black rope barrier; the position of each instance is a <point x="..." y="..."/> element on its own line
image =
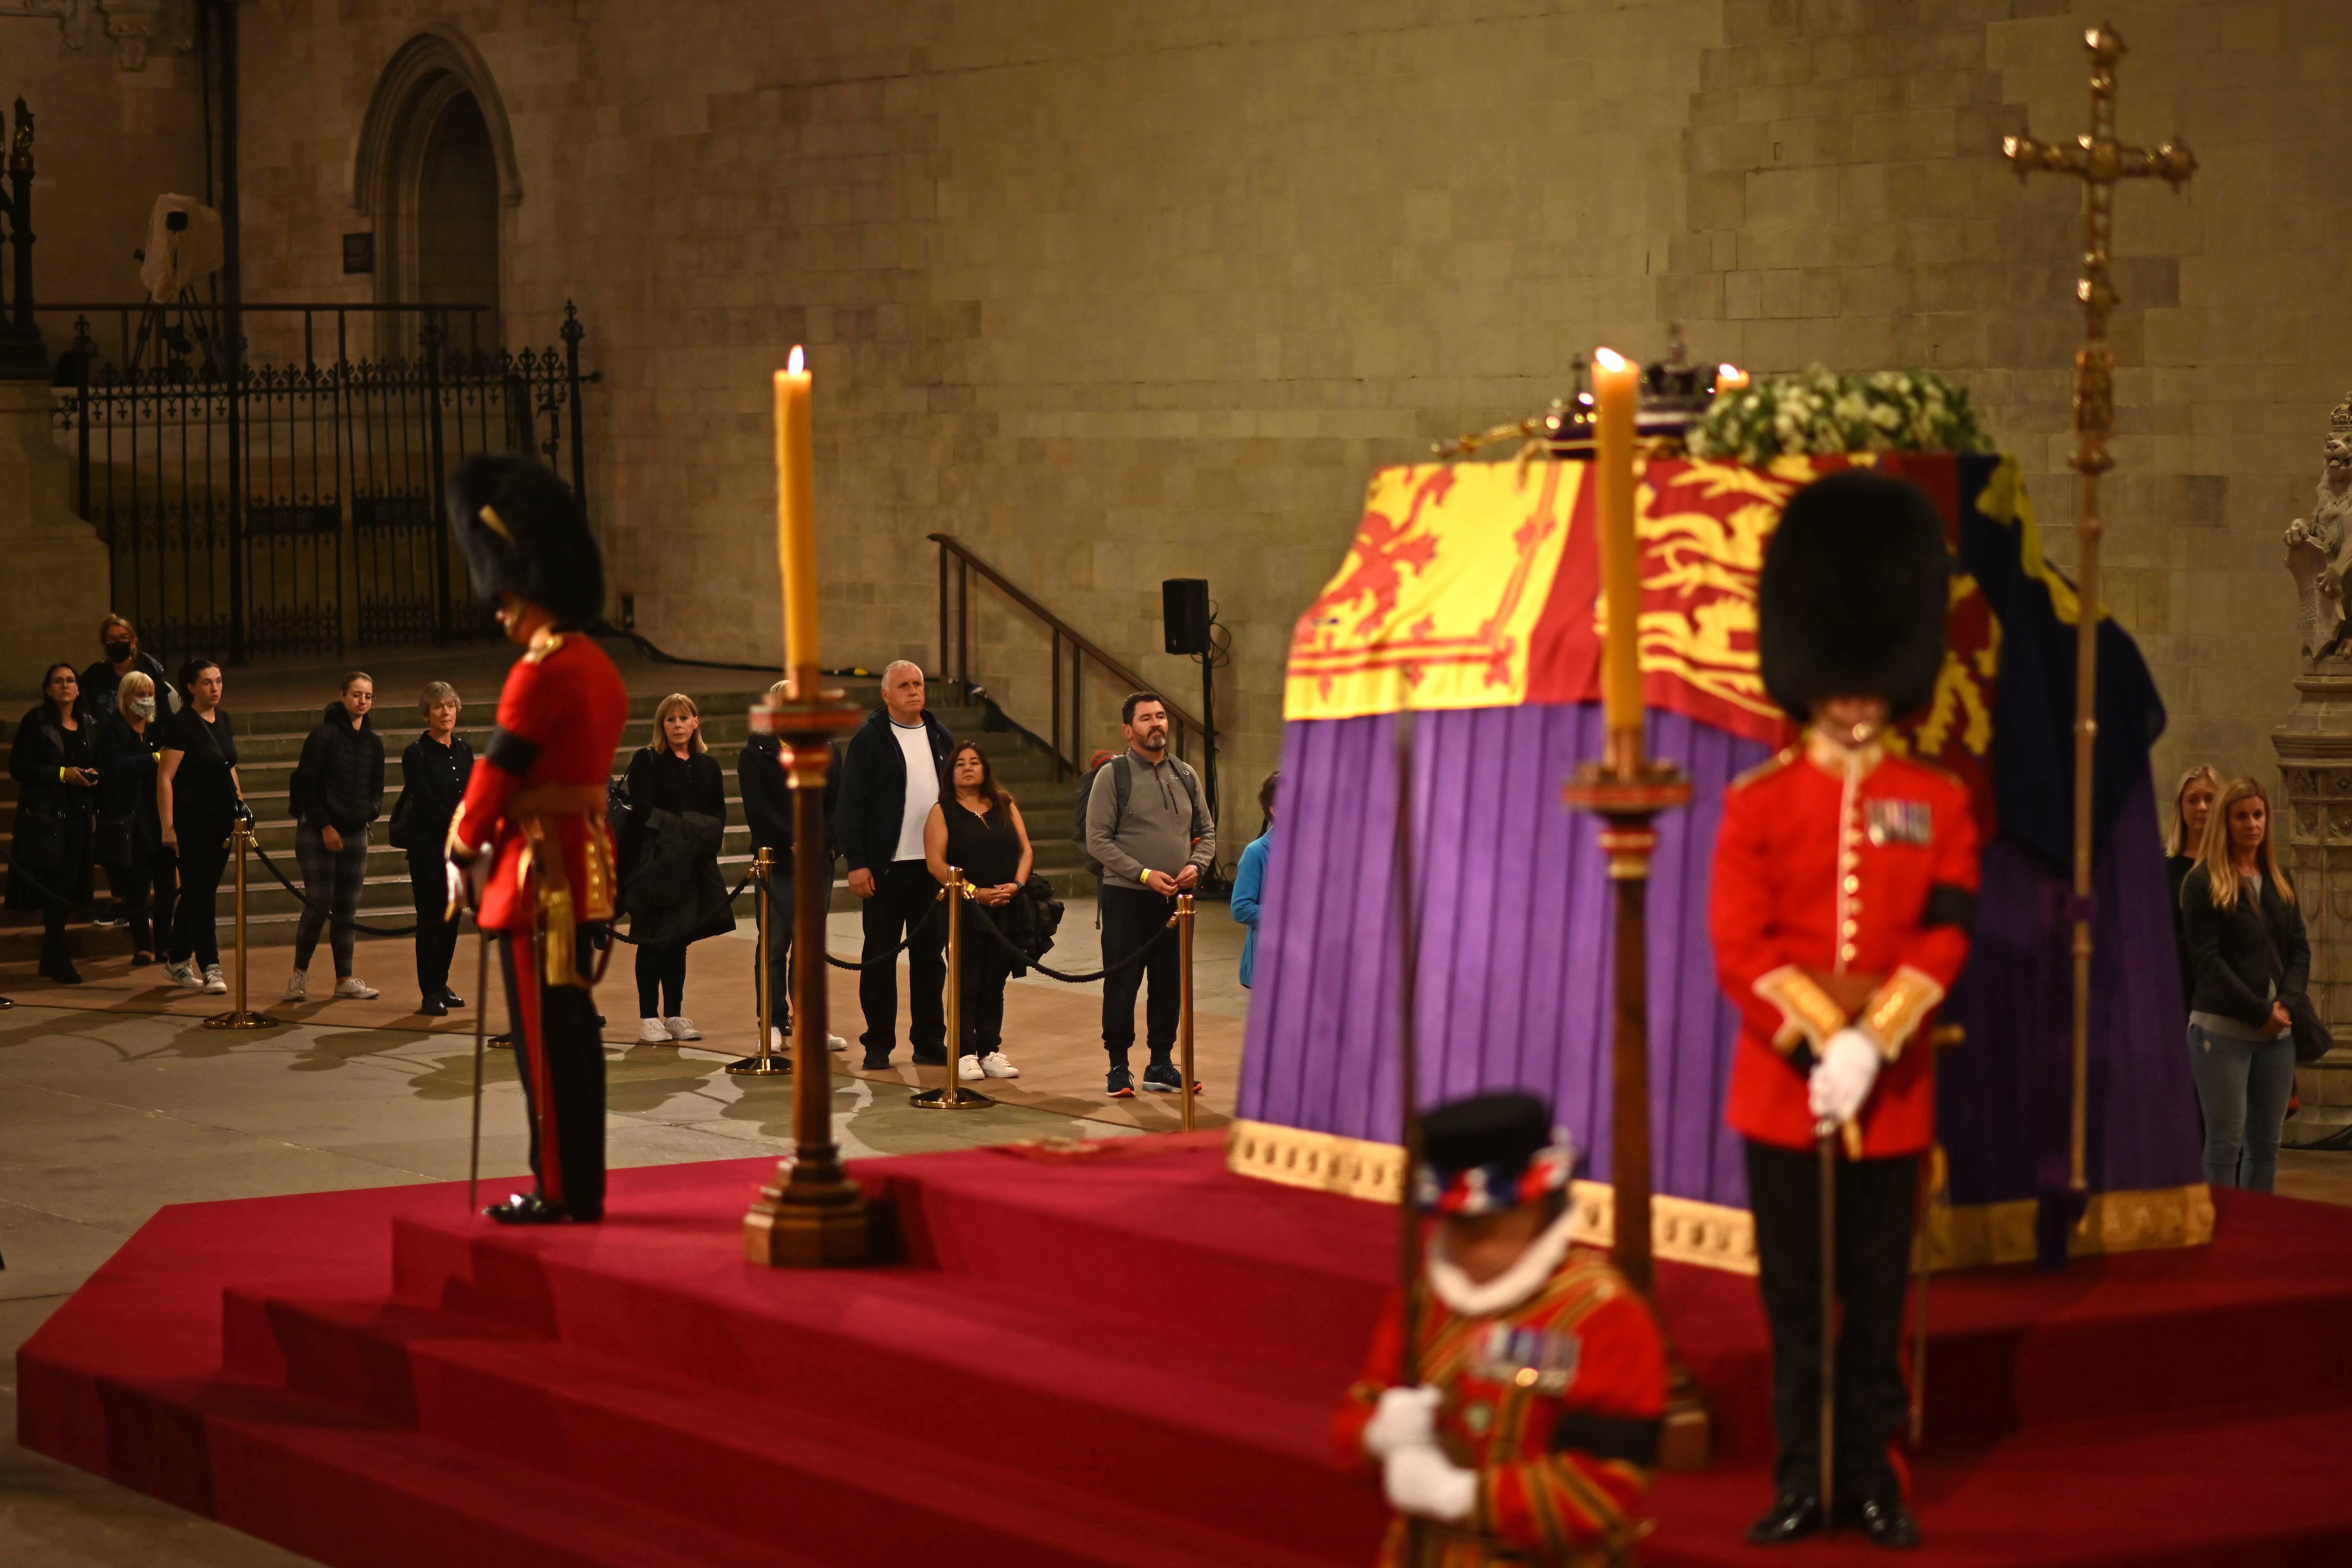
<point x="1025" y="961"/>
<point x="734" y="893"/>
<point x="303" y="894"/>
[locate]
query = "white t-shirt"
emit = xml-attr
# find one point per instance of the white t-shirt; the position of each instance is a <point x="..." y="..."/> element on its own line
<point x="923" y="788"/>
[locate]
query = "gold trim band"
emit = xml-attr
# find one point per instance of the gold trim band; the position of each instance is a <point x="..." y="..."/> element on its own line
<point x="1716" y="1236"/>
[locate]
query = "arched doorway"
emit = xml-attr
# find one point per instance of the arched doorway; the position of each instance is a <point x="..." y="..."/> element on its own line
<point x="435" y="170"/>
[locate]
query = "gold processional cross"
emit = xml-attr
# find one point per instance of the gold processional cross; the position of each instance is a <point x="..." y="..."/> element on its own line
<point x="2098" y="160"/>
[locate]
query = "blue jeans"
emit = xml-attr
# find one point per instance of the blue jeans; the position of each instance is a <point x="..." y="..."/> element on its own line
<point x="2242" y="1085"/>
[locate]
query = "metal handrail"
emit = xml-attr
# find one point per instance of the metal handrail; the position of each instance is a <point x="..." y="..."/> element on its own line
<point x="1182" y="720"/>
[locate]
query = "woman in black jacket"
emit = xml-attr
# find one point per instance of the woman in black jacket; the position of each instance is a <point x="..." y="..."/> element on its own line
<point x="433" y="775"/>
<point x="198" y="798"/>
<point x="2247" y="945"/>
<point x="336" y="790"/>
<point x="129" y="832"/>
<point x="54" y="763"/>
<point x="669" y="860"/>
<point x="2192" y="807"/>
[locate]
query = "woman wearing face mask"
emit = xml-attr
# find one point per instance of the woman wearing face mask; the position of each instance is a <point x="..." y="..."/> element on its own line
<point x="2247" y="945"/>
<point x="120" y="640"/>
<point x="197" y="797"/>
<point x="129" y="834"/>
<point x="669" y="858"/>
<point x="336" y="790"/>
<point x="54" y="763"/>
<point x="433" y="775"/>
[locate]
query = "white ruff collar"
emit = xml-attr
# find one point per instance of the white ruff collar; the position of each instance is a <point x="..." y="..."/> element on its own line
<point x="1508" y="1289"/>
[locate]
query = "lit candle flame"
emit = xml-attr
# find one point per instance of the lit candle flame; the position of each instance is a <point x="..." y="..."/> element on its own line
<point x="1609" y="359"/>
<point x="794" y="365"/>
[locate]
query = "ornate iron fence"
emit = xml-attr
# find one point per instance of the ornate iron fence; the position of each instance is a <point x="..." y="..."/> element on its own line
<point x="293" y="505"/>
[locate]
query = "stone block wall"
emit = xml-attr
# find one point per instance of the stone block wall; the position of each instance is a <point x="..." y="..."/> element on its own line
<point x="1116" y="292"/>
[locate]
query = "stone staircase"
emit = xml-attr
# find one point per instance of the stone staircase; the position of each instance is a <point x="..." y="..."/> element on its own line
<point x="270" y="742"/>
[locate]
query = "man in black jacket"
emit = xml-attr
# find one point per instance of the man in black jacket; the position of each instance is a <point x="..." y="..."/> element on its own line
<point x="768" y="808"/>
<point x="890" y="782"/>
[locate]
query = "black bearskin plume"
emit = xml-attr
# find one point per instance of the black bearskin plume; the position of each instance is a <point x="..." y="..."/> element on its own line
<point x="1851" y="599"/>
<point x="524" y="533"/>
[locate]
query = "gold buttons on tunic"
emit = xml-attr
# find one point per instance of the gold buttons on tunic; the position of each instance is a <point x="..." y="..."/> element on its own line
<point x="1853" y="883"/>
<point x="1847" y="953"/>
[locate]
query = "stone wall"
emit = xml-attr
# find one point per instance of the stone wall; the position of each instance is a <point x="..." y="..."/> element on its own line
<point x="1116" y="292"/>
<point x="108" y="141"/>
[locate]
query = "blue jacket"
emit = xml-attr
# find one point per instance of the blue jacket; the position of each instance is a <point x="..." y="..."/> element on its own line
<point x="1249" y="885"/>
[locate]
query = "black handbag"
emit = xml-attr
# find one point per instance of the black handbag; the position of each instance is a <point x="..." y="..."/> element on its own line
<point x="398" y="829"/>
<point x="39" y="845"/>
<point x="109" y="845"/>
<point x="2312" y="1040"/>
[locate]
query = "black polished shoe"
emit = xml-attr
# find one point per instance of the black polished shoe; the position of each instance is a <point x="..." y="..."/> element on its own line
<point x="502" y="1041"/>
<point x="873" y="1064"/>
<point x="1789" y="1518"/>
<point x="65" y="974"/>
<point x="930" y="1059"/>
<point x="530" y="1208"/>
<point x="432" y="1010"/>
<point x="1882" y="1520"/>
<point x="450" y="998"/>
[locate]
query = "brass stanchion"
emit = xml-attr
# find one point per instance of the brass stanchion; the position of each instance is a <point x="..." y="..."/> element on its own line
<point x="813" y="1217"/>
<point x="949" y="1096"/>
<point x="764" y="1063"/>
<point x="239" y="838"/>
<point x="1184" y="1000"/>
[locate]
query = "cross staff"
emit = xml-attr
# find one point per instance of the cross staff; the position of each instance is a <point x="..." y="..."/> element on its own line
<point x="2098" y="160"/>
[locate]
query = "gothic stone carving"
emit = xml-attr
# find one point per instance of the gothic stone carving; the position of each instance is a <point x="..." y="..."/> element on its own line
<point x="2319" y="548"/>
<point x="136" y="28"/>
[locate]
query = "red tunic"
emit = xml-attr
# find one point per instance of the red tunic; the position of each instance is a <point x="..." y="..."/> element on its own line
<point x="1870" y="874"/>
<point x="1584" y="1345"/>
<point x="560" y="722"/>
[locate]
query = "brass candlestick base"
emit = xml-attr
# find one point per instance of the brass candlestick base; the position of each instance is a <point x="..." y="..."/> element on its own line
<point x="951" y="1098"/>
<point x="761" y="1067"/>
<point x="1628" y="793"/>
<point x="815" y="1216"/>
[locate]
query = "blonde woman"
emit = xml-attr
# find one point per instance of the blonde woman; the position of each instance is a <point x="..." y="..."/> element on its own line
<point x="2192" y="804"/>
<point x="434" y="771"/>
<point x="2248" y="950"/>
<point x="669" y="860"/>
<point x="129" y="834"/>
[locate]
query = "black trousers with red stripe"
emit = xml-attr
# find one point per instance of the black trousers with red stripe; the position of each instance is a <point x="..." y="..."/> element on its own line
<point x="561" y="1058"/>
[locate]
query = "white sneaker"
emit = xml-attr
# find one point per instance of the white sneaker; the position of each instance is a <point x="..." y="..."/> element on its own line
<point x="184" y="975"/>
<point x="776" y="1041"/>
<point x="298" y="987"/>
<point x="650" y="1032"/>
<point x="357" y="989"/>
<point x="682" y="1028"/>
<point x="215" y="984"/>
<point x="967" y="1069"/>
<point x="996" y="1065"/>
<point x="834" y="1042"/>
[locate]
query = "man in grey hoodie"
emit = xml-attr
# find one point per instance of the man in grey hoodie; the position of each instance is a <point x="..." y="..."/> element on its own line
<point x="1150" y="834"/>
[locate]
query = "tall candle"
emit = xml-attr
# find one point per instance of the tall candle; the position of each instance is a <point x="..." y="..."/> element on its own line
<point x="796" y="515"/>
<point x="1616" y="386"/>
<point x="1729" y="378"/>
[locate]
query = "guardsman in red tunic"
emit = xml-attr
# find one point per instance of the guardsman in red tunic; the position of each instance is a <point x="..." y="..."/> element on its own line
<point x="1844" y="888"/>
<point x="1531" y="1427"/>
<point x="531" y="829"/>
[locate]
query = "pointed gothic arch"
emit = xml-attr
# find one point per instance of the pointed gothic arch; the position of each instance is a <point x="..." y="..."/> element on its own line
<point x="435" y="171"/>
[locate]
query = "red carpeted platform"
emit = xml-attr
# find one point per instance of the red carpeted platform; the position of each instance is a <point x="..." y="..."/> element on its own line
<point x="1124" y="1359"/>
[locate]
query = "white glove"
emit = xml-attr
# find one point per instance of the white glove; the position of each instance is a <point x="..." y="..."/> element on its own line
<point x="1843" y="1077"/>
<point x="1420" y="1479"/>
<point x="457" y="884"/>
<point x="1404" y="1417"/>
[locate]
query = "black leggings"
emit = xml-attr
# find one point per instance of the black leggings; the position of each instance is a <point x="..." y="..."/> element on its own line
<point x="203" y="857"/>
<point x="436" y="935"/>
<point x="148" y="890"/>
<point x="661" y="978"/>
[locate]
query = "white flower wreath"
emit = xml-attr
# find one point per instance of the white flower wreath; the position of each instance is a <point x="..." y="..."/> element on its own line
<point x="1816" y="412"/>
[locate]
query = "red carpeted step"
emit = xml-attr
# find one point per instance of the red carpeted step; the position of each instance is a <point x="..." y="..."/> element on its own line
<point x="924" y="1357"/>
<point x="853" y="1493"/>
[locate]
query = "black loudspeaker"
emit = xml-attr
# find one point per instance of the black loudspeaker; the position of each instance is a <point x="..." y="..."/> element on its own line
<point x="1184" y="608"/>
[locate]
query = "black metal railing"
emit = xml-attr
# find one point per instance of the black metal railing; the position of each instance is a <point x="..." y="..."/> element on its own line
<point x="958" y="566"/>
<point x="20" y="337"/>
<point x="269" y="478"/>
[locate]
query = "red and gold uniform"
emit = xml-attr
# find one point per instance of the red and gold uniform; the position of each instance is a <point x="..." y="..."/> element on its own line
<point x="1554" y="1403"/>
<point x="1840" y="871"/>
<point x="536" y="808"/>
<point x="1843" y="894"/>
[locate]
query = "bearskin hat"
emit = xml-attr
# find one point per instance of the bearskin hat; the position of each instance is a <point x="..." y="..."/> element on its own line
<point x="1488" y="1152"/>
<point x="524" y="533"/>
<point x="1851" y="601"/>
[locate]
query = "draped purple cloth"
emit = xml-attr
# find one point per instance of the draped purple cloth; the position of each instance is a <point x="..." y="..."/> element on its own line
<point x="1516" y="929"/>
